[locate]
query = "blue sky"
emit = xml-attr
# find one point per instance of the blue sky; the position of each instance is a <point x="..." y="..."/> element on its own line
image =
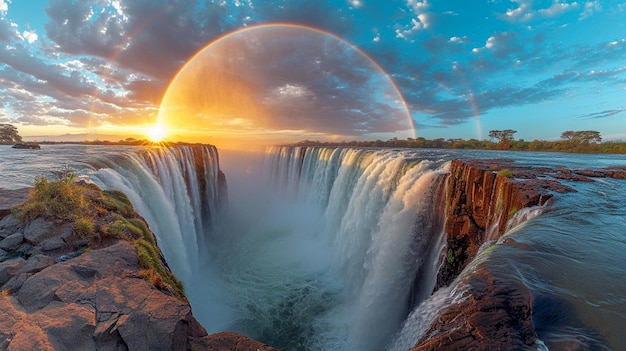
<point x="463" y="67"/>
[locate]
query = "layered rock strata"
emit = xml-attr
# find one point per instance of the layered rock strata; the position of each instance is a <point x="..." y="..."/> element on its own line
<point x="483" y="196"/>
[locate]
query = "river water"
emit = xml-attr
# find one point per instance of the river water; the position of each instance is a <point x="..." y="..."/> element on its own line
<point x="572" y="257"/>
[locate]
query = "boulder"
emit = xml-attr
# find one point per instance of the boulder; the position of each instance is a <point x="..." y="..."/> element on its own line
<point x="9" y="225"/>
<point x="52" y="244"/>
<point x="36" y="263"/>
<point x="9" y="268"/>
<point x="15" y="283"/>
<point x="37" y="230"/>
<point x="12" y="242"/>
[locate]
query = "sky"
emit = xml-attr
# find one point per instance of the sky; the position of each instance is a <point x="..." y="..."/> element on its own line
<point x="99" y="69"/>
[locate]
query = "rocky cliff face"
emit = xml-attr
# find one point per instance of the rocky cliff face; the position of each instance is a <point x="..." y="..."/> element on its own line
<point x="59" y="291"/>
<point x="57" y="298"/>
<point x="483" y="196"/>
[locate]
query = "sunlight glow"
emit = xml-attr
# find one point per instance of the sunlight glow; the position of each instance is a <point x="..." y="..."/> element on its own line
<point x="156" y="133"/>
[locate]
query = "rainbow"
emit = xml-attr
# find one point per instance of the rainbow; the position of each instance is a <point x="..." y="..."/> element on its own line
<point x="228" y="35"/>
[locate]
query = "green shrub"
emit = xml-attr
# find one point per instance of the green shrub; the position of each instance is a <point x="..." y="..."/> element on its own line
<point x="114" y="200"/>
<point x="85" y="227"/>
<point x="505" y="173"/>
<point x="59" y="198"/>
<point x="150" y="260"/>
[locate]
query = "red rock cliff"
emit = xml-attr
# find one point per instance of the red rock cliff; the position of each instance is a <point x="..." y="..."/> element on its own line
<point x="482" y="196"/>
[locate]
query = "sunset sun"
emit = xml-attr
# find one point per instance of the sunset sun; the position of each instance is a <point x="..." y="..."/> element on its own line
<point x="156" y="133"/>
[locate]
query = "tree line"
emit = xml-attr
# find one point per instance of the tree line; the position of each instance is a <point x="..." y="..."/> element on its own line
<point x="586" y="141"/>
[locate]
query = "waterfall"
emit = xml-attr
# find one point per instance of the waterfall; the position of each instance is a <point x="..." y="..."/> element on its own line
<point x="177" y="190"/>
<point x="382" y="218"/>
<point x="330" y="250"/>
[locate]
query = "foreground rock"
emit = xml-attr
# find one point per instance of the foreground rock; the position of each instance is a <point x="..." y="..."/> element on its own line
<point x="96" y="300"/>
<point x="59" y="292"/>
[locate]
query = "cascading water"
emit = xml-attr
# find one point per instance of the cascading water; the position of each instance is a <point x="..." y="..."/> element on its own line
<point x="320" y="254"/>
<point x="366" y="220"/>
<point x="311" y="253"/>
<point x="177" y="190"/>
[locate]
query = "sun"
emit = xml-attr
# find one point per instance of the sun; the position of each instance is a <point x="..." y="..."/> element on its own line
<point x="156" y="133"/>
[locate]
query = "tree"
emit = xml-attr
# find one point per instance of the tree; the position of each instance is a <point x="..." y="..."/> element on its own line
<point x="582" y="137"/>
<point x="504" y="137"/>
<point x="9" y="135"/>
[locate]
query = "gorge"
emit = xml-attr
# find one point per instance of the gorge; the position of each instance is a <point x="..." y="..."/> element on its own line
<point x="342" y="249"/>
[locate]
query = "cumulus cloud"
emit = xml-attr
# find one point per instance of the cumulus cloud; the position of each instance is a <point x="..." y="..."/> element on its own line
<point x="30" y="36"/>
<point x="113" y="59"/>
<point x="524" y="12"/>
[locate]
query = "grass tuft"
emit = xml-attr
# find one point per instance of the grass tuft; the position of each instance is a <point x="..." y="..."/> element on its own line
<point x="98" y="217"/>
<point x="507" y="173"/>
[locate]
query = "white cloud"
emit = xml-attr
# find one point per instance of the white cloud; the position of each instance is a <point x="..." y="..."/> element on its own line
<point x="291" y="90"/>
<point x="459" y="40"/>
<point x="557" y="8"/>
<point x="421" y="22"/>
<point x="491" y="41"/>
<point x="590" y="8"/>
<point x="522" y="13"/>
<point x="4" y="6"/>
<point x="418" y="6"/>
<point x="30" y="36"/>
<point x="525" y="12"/>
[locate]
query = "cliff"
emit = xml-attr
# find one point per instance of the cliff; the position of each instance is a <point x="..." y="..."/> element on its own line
<point x="482" y="197"/>
<point x="80" y="270"/>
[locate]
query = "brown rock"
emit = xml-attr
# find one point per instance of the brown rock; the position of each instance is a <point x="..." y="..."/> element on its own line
<point x="11" y="198"/>
<point x="93" y="301"/>
<point x="481" y="201"/>
<point x="36" y="263"/>
<point x="494" y="315"/>
<point x="37" y="230"/>
<point x="229" y="341"/>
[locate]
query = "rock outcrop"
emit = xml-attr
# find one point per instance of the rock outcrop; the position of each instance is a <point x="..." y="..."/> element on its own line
<point x="30" y="146"/>
<point x="483" y="196"/>
<point x="58" y="292"/>
<point x="493" y="314"/>
<point x="59" y="297"/>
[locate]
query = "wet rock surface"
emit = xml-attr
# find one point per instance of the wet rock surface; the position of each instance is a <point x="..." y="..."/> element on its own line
<point x="494" y="314"/>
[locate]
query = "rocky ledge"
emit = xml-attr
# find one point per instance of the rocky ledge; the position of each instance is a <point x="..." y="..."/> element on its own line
<point x="62" y="290"/>
<point x="483" y="197"/>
